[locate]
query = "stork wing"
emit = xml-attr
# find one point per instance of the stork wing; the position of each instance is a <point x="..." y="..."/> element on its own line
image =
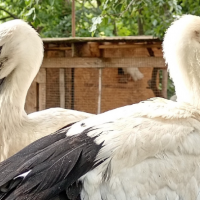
<point x="48" y="166"/>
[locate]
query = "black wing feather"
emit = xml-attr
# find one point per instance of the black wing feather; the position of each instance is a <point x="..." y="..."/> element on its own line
<point x="56" y="163"/>
<point x="21" y="159"/>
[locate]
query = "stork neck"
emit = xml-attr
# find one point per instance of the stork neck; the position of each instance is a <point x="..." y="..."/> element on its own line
<point x="14" y="89"/>
<point x="186" y="76"/>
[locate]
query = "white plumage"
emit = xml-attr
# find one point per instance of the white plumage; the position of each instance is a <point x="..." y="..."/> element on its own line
<point x="146" y="151"/>
<point x="20" y="59"/>
<point x="134" y="72"/>
<point x="173" y="97"/>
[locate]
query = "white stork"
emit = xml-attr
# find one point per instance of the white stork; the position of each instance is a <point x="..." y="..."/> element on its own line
<point x="21" y="54"/>
<point x="146" y="151"/>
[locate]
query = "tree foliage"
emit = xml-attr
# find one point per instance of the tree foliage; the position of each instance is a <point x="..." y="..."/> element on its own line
<point x="52" y="18"/>
<point x="44" y="15"/>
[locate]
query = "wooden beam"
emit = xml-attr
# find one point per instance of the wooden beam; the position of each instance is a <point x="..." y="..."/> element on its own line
<point x="99" y="92"/>
<point x="75" y="52"/>
<point x="141" y="38"/>
<point x="73" y="19"/>
<point x="41" y="80"/>
<point x="62" y="87"/>
<point x="57" y="48"/>
<point x="122" y="46"/>
<point x="41" y="76"/>
<point x="71" y="62"/>
<point x="42" y="96"/>
<point x="157" y="62"/>
<point x="110" y="46"/>
<point x="30" y="105"/>
<point x="164" y="83"/>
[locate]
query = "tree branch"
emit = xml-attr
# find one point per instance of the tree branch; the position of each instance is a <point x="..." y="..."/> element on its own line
<point x="11" y="15"/>
<point x="140" y="24"/>
<point x="127" y="8"/>
<point x="91" y="4"/>
<point x="98" y="3"/>
<point x="1" y="19"/>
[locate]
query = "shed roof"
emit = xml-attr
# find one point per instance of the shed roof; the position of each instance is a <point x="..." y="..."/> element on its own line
<point x="102" y="39"/>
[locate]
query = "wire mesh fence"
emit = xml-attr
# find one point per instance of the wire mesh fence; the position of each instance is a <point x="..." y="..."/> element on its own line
<point x="98" y="74"/>
<point x="95" y="91"/>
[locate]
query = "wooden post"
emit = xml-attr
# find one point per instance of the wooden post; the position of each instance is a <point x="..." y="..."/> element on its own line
<point x="99" y="91"/>
<point x="31" y="99"/>
<point x="73" y="49"/>
<point x="41" y="79"/>
<point x="62" y="87"/>
<point x="42" y="96"/>
<point x="73" y="19"/>
<point x="164" y="83"/>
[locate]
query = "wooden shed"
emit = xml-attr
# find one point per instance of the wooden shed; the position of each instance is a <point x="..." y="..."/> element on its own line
<point x="87" y="74"/>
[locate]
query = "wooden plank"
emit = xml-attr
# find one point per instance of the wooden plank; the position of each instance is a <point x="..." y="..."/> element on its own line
<point x="62" y="87"/>
<point x="30" y="105"/>
<point x="101" y="39"/>
<point x="68" y="88"/>
<point x="57" y="48"/>
<point x="110" y="46"/>
<point x="122" y="46"/>
<point x="157" y="62"/>
<point x="99" y="92"/>
<point x="73" y="19"/>
<point x="75" y="52"/>
<point x="94" y="49"/>
<point x="42" y="96"/>
<point x="41" y="79"/>
<point x="41" y="76"/>
<point x="71" y="62"/>
<point x="164" y="83"/>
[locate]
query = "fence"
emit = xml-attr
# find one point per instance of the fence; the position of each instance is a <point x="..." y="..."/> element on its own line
<point x="96" y="76"/>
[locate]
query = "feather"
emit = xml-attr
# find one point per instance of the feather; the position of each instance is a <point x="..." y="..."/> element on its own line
<point x="60" y="160"/>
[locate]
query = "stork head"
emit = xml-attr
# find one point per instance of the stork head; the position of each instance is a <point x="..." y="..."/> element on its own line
<point x="181" y="37"/>
<point x="181" y="48"/>
<point x="20" y="48"/>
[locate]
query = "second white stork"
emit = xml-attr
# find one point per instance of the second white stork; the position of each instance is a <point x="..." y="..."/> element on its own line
<point x="146" y="151"/>
<point x="21" y="54"/>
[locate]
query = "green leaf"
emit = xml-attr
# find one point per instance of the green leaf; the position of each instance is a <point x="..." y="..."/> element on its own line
<point x="154" y="22"/>
<point x="97" y="20"/>
<point x="93" y="28"/>
<point x="34" y="17"/>
<point x="105" y="5"/>
<point x="51" y="2"/>
<point x="30" y="12"/>
<point x="105" y="20"/>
